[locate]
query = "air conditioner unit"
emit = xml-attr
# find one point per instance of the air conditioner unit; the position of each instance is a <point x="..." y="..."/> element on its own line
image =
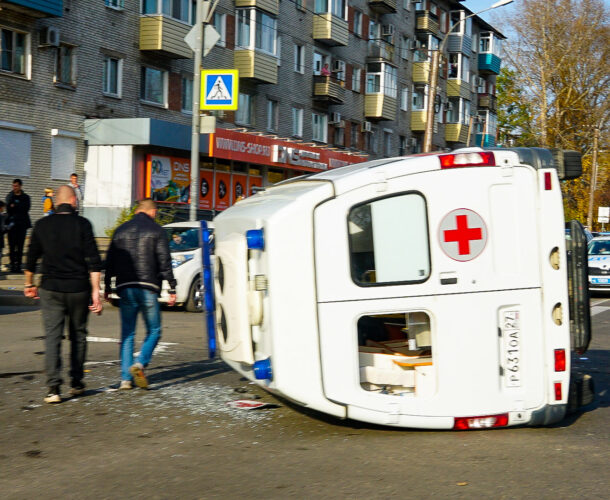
<point x="387" y="30"/>
<point x="366" y="126"/>
<point x="338" y="66"/>
<point x="49" y="37"/>
<point x="335" y="117"/>
<point x="340" y="124"/>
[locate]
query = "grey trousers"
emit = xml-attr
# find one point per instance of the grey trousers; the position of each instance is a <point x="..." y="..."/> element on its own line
<point x="56" y="308"/>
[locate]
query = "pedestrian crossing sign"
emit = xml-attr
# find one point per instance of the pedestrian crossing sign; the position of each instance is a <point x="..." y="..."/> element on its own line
<point x="219" y="89"/>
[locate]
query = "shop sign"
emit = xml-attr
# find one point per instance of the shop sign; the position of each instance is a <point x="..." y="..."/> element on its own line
<point x="169" y="178"/>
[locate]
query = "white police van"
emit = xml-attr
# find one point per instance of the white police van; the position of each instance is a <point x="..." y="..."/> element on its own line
<point x="428" y="291"/>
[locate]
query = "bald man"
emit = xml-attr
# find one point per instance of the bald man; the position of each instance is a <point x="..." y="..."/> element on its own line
<point x="69" y="287"/>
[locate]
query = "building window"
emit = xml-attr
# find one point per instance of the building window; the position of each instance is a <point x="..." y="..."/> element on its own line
<point x="297" y="122"/>
<point x="319" y="61"/>
<point x="418" y="100"/>
<point x="459" y="67"/>
<point x="299" y="4"/>
<point x="318" y="127"/>
<point x="339" y="138"/>
<point x="65" y="65"/>
<point x="63" y="157"/>
<point x="381" y="78"/>
<point x="153" y="86"/>
<point x="299" y="58"/>
<point x="182" y="10"/>
<point x="372" y="140"/>
<point x="356" y="79"/>
<point x="15" y="149"/>
<point x="272" y="115"/>
<point x="338" y="71"/>
<point x="465" y="26"/>
<point x="115" y="4"/>
<point x="353" y="141"/>
<point x="112" y="76"/>
<point x="14" y="49"/>
<point x="458" y="111"/>
<point x="335" y="7"/>
<point x="220" y="24"/>
<point x="357" y="23"/>
<point x="387" y="142"/>
<point x="402" y="145"/>
<point x="489" y="44"/>
<point x="243" y="115"/>
<point x="405" y="47"/>
<point x="256" y="30"/>
<point x="404" y="99"/>
<point x="186" y="99"/>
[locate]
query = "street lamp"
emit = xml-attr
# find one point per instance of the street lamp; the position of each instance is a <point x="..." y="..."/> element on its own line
<point x="436" y="58"/>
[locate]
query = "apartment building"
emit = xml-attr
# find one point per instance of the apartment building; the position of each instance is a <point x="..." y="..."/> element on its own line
<point x="104" y="88"/>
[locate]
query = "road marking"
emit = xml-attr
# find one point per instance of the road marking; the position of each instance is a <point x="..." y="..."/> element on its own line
<point x="599" y="309"/>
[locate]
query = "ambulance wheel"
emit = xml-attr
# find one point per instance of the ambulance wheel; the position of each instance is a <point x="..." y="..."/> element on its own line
<point x="194" y="302"/>
<point x="582" y="391"/>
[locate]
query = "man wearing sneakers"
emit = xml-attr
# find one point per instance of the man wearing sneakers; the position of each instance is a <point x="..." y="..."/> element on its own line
<point x="69" y="289"/>
<point x="139" y="260"/>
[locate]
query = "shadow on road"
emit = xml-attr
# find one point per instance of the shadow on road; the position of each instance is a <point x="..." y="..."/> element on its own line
<point x="182" y="373"/>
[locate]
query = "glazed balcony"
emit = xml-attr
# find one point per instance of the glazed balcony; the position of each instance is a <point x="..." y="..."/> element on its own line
<point x="35" y="8"/>
<point x="489" y="64"/>
<point x="421" y="72"/>
<point x="428" y="23"/>
<point x="484" y="140"/>
<point x="271" y="6"/>
<point x="383" y="6"/>
<point x="456" y="132"/>
<point x="327" y="89"/>
<point x="259" y="67"/>
<point x="459" y="43"/>
<point x="330" y="29"/>
<point x="165" y="36"/>
<point x="380" y="107"/>
<point x="381" y="50"/>
<point x="488" y="101"/>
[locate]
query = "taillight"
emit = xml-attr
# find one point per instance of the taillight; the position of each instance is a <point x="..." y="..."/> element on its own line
<point x="548" y="184"/>
<point x="478" y="159"/>
<point x="560" y="360"/>
<point x="558" y="391"/>
<point x="486" y="422"/>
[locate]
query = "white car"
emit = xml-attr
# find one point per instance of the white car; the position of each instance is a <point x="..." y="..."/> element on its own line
<point x="599" y="263"/>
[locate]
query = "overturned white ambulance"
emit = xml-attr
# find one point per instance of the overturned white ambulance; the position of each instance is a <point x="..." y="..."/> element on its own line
<point x="428" y="291"/>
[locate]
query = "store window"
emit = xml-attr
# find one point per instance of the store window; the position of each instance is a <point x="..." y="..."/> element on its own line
<point x="256" y="30"/>
<point x="65" y="65"/>
<point x="112" y="76"/>
<point x="14" y="51"/>
<point x="319" y="127"/>
<point x="153" y="86"/>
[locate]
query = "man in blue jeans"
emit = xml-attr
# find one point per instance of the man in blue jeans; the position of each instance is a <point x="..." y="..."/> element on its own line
<point x="139" y="259"/>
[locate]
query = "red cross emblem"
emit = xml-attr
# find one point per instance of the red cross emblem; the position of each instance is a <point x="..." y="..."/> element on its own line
<point x="466" y="228"/>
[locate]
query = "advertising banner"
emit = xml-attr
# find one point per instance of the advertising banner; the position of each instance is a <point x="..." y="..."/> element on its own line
<point x="222" y="190"/>
<point x="206" y="192"/>
<point x="254" y="181"/>
<point x="239" y="186"/>
<point x="168" y="178"/>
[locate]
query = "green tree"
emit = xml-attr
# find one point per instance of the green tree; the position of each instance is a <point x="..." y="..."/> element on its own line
<point x="514" y="113"/>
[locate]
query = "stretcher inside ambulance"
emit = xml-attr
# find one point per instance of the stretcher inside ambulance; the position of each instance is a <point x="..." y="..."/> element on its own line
<point x="428" y="291"/>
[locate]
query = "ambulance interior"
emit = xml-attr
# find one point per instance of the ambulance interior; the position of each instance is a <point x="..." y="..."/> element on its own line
<point x="389" y="245"/>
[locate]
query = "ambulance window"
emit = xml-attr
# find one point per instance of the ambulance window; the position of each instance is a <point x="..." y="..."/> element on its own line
<point x="389" y="240"/>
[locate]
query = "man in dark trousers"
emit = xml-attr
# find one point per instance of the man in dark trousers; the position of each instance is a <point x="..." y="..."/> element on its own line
<point x="139" y="260"/>
<point x="17" y="210"/>
<point x="70" y="287"/>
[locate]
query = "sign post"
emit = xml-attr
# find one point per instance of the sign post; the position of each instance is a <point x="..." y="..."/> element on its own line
<point x="603" y="216"/>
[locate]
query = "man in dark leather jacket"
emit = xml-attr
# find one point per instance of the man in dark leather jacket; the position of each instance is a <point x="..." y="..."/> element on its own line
<point x="139" y="260"/>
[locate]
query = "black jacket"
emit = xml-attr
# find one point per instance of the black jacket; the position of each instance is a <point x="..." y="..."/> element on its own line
<point x="139" y="256"/>
<point x="69" y="253"/>
<point x="17" y="208"/>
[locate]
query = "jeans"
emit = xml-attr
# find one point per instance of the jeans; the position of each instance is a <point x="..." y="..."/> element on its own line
<point x="134" y="300"/>
<point x="56" y="307"/>
<point x="16" y="240"/>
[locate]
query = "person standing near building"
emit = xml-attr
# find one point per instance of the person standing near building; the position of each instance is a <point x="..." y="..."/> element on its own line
<point x="77" y="189"/>
<point x="3" y="229"/>
<point x="17" y="209"/>
<point x="47" y="202"/>
<point x="139" y="259"/>
<point x="69" y="288"/>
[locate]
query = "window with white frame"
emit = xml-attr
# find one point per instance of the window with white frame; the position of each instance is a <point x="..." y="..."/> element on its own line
<point x="458" y="111"/>
<point x="443" y="21"/>
<point x="65" y="65"/>
<point x="15" y="149"/>
<point x="465" y="26"/>
<point x="186" y="94"/>
<point x="278" y="54"/>
<point x="339" y="136"/>
<point x="63" y="156"/>
<point x="297" y="122"/>
<point x="14" y="52"/>
<point x="273" y="109"/>
<point x="459" y="67"/>
<point x="299" y="58"/>
<point x="353" y="140"/>
<point x="319" y="126"/>
<point x="338" y="70"/>
<point x="405" y="47"/>
<point x="475" y="43"/>
<point x="357" y="23"/>
<point x="244" y="113"/>
<point x="356" y="79"/>
<point x="489" y="44"/>
<point x="256" y="30"/>
<point x="418" y="98"/>
<point x="374" y="31"/>
<point x="381" y="78"/>
<point x="387" y="142"/>
<point x="115" y="4"/>
<point x="319" y="60"/>
<point x="404" y="99"/>
<point x="112" y="76"/>
<point x="219" y="21"/>
<point x="424" y="47"/>
<point x="335" y="7"/>
<point x="153" y="86"/>
<point x="182" y="10"/>
<point x="402" y="145"/>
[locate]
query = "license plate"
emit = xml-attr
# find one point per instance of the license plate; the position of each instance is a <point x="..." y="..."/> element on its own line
<point x="511" y="341"/>
<point x="600" y="280"/>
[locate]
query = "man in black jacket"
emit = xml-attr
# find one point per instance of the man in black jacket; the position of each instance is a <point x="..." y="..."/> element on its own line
<point x="17" y="208"/>
<point x="70" y="287"/>
<point x="139" y="260"/>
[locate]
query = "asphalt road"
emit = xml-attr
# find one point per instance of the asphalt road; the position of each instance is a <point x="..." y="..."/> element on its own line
<point x="181" y="440"/>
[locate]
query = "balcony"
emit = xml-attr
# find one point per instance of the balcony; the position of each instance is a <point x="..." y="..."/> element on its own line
<point x="383" y="6"/>
<point x="327" y="89"/>
<point x="330" y="29"/>
<point x="484" y="140"/>
<point x="271" y="6"/>
<point x="380" y="107"/>
<point x="380" y="49"/>
<point x="35" y="8"/>
<point x="488" y="101"/>
<point x="456" y="132"/>
<point x="428" y="24"/>
<point x="262" y="68"/>
<point x="459" y="43"/>
<point x="421" y="72"/>
<point x="164" y="36"/>
<point x="418" y="121"/>
<point x="489" y="64"/>
<point x="458" y="88"/>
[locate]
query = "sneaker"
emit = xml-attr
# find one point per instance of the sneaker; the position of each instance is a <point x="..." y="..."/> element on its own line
<point x="77" y="389"/>
<point x="53" y="396"/>
<point x="138" y="376"/>
<point x="125" y="385"/>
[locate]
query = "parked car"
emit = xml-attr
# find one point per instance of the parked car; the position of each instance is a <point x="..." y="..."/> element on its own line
<point x="599" y="263"/>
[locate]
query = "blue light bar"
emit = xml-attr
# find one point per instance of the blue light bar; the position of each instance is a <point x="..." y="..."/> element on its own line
<point x="209" y="302"/>
<point x="255" y="239"/>
<point x="262" y="369"/>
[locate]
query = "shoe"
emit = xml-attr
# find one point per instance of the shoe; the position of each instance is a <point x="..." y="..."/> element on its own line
<point x="138" y="376"/>
<point x="53" y="396"/>
<point x="125" y="385"/>
<point x="77" y="389"/>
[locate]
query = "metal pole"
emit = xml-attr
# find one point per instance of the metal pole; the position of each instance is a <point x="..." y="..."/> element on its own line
<point x="593" y="184"/>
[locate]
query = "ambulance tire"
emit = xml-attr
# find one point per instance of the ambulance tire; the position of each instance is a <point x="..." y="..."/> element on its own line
<point x="582" y="391"/>
<point x="194" y="302"/>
